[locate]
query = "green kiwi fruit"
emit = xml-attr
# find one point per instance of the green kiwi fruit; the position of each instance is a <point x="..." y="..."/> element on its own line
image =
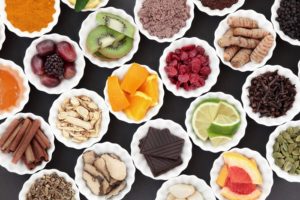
<point x="116" y="23"/>
<point x="102" y="37"/>
<point x="118" y="49"/>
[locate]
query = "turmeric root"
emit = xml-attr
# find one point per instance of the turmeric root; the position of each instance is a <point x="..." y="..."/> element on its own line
<point x="242" y="22"/>
<point x="229" y="52"/>
<point x="228" y="33"/>
<point x="238" y="41"/>
<point x="262" y="49"/>
<point x="241" y="58"/>
<point x="250" y="33"/>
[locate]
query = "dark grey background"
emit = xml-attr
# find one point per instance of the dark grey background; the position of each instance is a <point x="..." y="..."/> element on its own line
<point x="174" y="108"/>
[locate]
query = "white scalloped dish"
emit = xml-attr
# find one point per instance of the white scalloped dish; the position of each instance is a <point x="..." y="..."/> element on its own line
<point x="271" y="121"/>
<point x="213" y="63"/>
<point x="105" y="119"/>
<point x="24" y="88"/>
<point x="2" y="34"/>
<point x="101" y="4"/>
<point x="38" y="33"/>
<point x="207" y="145"/>
<point x="65" y="84"/>
<point x="20" y="168"/>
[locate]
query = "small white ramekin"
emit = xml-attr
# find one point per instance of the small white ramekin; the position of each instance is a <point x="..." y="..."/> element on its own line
<point x="217" y="12"/>
<point x="272" y="139"/>
<point x="100" y="5"/>
<point x="181" y="33"/>
<point x="270" y="121"/>
<point x="299" y="69"/>
<point x="214" y="66"/>
<point x="20" y="168"/>
<point x="263" y="166"/>
<point x="120" y="73"/>
<point x="199" y="184"/>
<point x="66" y="84"/>
<point x="20" y="33"/>
<point x="262" y="23"/>
<point x="139" y="159"/>
<point x="2" y="34"/>
<point x="24" y="99"/>
<point x="206" y="145"/>
<point x="103" y="148"/>
<point x="276" y="25"/>
<point x="27" y="185"/>
<point x="90" y="23"/>
<point x="105" y="119"/>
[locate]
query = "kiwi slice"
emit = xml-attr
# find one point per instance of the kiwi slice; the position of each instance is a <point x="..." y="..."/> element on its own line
<point x="102" y="37"/>
<point x="118" y="49"/>
<point x="116" y="23"/>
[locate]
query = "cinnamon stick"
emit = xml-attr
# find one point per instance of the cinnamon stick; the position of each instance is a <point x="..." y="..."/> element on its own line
<point x="29" y="155"/>
<point x="26" y="141"/>
<point x="30" y="166"/>
<point x="24" y="128"/>
<point x="9" y="130"/>
<point x="39" y="152"/>
<point x="42" y="139"/>
<point x="10" y="139"/>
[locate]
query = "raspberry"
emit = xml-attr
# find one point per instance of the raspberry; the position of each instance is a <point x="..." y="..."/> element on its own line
<point x="205" y="71"/>
<point x="183" y="69"/>
<point x="171" y="71"/>
<point x="188" y="48"/>
<point x="183" y="78"/>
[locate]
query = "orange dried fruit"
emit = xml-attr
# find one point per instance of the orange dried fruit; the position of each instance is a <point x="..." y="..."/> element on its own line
<point x="221" y="180"/>
<point x="134" y="78"/>
<point x="139" y="105"/>
<point x="117" y="98"/>
<point x="150" y="87"/>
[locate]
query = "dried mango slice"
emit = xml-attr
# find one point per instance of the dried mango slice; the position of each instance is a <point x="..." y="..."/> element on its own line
<point x="117" y="98"/>
<point x="150" y="87"/>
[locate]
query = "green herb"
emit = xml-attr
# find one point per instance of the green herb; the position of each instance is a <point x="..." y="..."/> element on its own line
<point x="80" y="4"/>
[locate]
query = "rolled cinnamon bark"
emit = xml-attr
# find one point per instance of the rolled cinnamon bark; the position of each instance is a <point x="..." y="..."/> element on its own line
<point x="29" y="155"/>
<point x="30" y="166"/>
<point x="39" y="152"/>
<point x="8" y="142"/>
<point x="24" y="128"/>
<point x="9" y="130"/>
<point x="42" y="139"/>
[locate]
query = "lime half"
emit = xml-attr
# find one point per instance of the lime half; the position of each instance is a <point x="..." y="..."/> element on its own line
<point x="220" y="140"/>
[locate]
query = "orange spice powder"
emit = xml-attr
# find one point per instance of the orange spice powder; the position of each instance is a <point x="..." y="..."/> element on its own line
<point x="30" y="15"/>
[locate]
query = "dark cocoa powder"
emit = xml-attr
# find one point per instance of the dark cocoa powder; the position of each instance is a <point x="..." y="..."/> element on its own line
<point x="217" y="4"/>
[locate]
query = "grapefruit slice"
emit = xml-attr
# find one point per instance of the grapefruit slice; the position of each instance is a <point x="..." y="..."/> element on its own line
<point x="239" y="175"/>
<point x="230" y="195"/>
<point x="221" y="180"/>
<point x="240" y="188"/>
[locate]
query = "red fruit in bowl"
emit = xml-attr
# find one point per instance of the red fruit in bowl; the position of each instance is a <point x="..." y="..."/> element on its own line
<point x="45" y="47"/>
<point x="70" y="70"/>
<point x="66" y="51"/>
<point x="37" y="65"/>
<point x="50" y="81"/>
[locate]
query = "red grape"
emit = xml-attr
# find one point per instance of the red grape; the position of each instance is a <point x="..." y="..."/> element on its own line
<point x="49" y="81"/>
<point x="70" y="70"/>
<point x="66" y="51"/>
<point x="37" y="65"/>
<point x="45" y="47"/>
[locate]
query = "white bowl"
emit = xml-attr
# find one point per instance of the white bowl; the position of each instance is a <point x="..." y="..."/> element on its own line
<point x="281" y="173"/>
<point x="120" y="73"/>
<point x="262" y="23"/>
<point x="23" y="100"/>
<point x="2" y="34"/>
<point x="198" y="183"/>
<point x="27" y="185"/>
<point x="102" y="148"/>
<point x="217" y="12"/>
<point x="20" y="168"/>
<point x="100" y="5"/>
<point x="65" y="84"/>
<point x="299" y="69"/>
<point x="104" y="120"/>
<point x="206" y="145"/>
<point x="34" y="34"/>
<point x="139" y="159"/>
<point x="90" y="23"/>
<point x="263" y="167"/>
<point x="214" y="66"/>
<point x="183" y="30"/>
<point x="281" y="34"/>
<point x="271" y="121"/>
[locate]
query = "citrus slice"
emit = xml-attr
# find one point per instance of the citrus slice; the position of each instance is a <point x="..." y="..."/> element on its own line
<point x="203" y="116"/>
<point x="219" y="140"/>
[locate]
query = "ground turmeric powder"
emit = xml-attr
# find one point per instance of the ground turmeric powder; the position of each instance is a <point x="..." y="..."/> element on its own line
<point x="30" y="15"/>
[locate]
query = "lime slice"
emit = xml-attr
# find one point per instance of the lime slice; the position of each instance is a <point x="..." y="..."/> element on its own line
<point x="203" y="116"/>
<point x="220" y="140"/>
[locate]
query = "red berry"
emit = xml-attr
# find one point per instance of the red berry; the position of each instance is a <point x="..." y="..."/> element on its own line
<point x="183" y="78"/>
<point x="193" y="53"/>
<point x="184" y="56"/>
<point x="169" y="57"/>
<point x="37" y="65"/>
<point x="66" y="51"/>
<point x="188" y="48"/>
<point x="70" y="70"/>
<point x="45" y="47"/>
<point x="171" y="71"/>
<point x="183" y="69"/>
<point x="50" y="81"/>
<point x="205" y="71"/>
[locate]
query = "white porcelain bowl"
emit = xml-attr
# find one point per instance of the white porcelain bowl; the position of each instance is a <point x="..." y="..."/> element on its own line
<point x="66" y="84"/>
<point x="90" y="23"/>
<point x="214" y="66"/>
<point x="20" y="168"/>
<point x="105" y="119"/>
<point x="2" y="34"/>
<point x="100" y="5"/>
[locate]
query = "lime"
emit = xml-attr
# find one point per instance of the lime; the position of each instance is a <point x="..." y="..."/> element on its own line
<point x="219" y="140"/>
<point x="203" y="116"/>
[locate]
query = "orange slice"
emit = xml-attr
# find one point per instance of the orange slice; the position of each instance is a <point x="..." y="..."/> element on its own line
<point x="150" y="87"/>
<point x="117" y="98"/>
<point x="221" y="180"/>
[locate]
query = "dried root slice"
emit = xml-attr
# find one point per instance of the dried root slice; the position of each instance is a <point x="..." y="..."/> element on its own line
<point x="229" y="52"/>
<point x="196" y="196"/>
<point x="263" y="48"/>
<point x="182" y="191"/>
<point x="101" y="167"/>
<point x="116" y="168"/>
<point x="93" y="171"/>
<point x="243" y="22"/>
<point x="257" y="33"/>
<point x="241" y="58"/>
<point x="92" y="183"/>
<point x="170" y="197"/>
<point x="238" y="41"/>
<point x="89" y="157"/>
<point x="117" y="190"/>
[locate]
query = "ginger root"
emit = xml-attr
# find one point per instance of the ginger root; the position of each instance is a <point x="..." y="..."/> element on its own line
<point x="229" y="52"/>
<point x="257" y="33"/>
<point x="262" y="49"/>
<point x="242" y="22"/>
<point x="238" y="41"/>
<point x="241" y="58"/>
